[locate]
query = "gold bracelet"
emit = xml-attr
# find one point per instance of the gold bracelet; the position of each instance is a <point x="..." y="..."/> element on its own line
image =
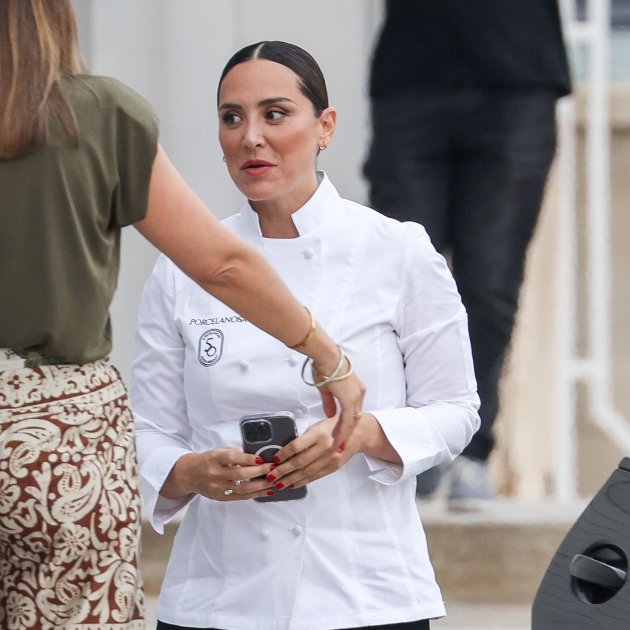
<point x="309" y="334"/>
<point x="343" y="377"/>
<point x="334" y="376"/>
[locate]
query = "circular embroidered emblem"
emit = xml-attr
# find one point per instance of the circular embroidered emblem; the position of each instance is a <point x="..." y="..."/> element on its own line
<point x="210" y="347"/>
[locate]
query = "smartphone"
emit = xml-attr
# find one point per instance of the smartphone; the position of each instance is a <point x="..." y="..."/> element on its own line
<point x="264" y="434"/>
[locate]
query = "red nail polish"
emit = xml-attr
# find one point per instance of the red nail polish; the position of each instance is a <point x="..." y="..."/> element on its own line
<point x="270" y="478"/>
<point x="292" y="485"/>
<point x="275" y="459"/>
<point x="272" y="466"/>
<point x="260" y="460"/>
<point x="279" y="485"/>
<point x="270" y="493"/>
<point x="342" y="447"/>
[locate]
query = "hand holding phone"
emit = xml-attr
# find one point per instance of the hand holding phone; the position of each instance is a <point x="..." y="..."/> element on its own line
<point x="264" y="434"/>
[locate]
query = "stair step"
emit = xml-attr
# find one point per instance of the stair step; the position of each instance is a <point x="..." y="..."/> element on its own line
<point x="497" y="554"/>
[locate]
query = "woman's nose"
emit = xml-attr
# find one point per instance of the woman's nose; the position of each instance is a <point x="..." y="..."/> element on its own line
<point x="254" y="136"/>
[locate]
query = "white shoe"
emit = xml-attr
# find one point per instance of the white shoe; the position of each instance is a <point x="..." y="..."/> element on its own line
<point x="469" y="484"/>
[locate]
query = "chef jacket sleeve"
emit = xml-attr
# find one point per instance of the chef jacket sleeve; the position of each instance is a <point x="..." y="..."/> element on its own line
<point x="441" y="392"/>
<point x="163" y="433"/>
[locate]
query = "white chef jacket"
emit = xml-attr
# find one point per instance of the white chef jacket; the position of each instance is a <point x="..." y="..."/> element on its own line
<point x="353" y="552"/>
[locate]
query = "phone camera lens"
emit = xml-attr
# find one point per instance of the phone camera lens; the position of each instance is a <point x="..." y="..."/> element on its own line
<point x="257" y="431"/>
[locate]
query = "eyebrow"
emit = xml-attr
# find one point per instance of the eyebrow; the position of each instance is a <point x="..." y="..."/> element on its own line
<point x="263" y="103"/>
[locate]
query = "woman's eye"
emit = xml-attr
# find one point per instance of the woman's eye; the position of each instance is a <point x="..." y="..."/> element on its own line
<point x="230" y="119"/>
<point x="275" y="114"/>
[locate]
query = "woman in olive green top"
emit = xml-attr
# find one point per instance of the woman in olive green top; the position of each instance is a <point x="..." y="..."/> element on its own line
<point x="79" y="160"/>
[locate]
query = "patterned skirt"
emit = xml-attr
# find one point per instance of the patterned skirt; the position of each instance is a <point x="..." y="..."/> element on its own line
<point x="69" y="501"/>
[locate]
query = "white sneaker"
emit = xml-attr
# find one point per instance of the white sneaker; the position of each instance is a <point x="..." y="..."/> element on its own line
<point x="469" y="483"/>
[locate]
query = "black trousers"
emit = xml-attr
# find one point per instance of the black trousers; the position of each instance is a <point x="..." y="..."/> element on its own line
<point x="471" y="166"/>
<point x="412" y="625"/>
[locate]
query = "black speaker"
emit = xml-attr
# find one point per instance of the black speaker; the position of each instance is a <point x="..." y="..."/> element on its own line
<point x="586" y="585"/>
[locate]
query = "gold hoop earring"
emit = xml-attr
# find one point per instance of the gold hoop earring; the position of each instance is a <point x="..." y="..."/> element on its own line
<point x="224" y="159"/>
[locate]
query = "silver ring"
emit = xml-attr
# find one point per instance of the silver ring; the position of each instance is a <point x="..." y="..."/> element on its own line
<point x="238" y="482"/>
<point x="228" y="492"/>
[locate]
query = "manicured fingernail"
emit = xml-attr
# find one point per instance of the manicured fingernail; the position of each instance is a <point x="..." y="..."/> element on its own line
<point x="342" y="447"/>
<point x="279" y="486"/>
<point x="275" y="459"/>
<point x="272" y="466"/>
<point x="260" y="460"/>
<point x="270" y="478"/>
<point x="292" y="485"/>
<point x="270" y="493"/>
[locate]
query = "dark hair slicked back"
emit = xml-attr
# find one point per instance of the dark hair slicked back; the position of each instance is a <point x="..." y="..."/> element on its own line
<point x="310" y="77"/>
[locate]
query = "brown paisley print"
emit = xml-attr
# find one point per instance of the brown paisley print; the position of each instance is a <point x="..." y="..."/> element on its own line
<point x="69" y="502"/>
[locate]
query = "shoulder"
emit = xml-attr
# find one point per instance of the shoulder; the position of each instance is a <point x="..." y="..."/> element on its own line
<point x="108" y="93"/>
<point x="240" y="223"/>
<point x="233" y="221"/>
<point x="405" y="245"/>
<point x="382" y="226"/>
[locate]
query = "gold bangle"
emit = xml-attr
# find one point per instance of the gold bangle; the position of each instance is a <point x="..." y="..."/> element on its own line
<point x="343" y="377"/>
<point x="334" y="376"/>
<point x="309" y="334"/>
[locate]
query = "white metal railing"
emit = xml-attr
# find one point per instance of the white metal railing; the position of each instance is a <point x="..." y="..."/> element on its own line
<point x="593" y="366"/>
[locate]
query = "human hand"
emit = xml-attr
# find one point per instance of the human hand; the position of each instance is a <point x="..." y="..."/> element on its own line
<point x="222" y="474"/>
<point x="313" y="455"/>
<point x="349" y="392"/>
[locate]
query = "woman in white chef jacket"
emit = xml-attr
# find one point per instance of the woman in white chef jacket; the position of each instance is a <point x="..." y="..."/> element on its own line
<point x="352" y="553"/>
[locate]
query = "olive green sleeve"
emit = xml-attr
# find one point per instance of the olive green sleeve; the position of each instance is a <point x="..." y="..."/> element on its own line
<point x="136" y="147"/>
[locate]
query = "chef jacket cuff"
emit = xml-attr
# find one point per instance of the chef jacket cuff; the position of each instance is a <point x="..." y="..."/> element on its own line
<point x="387" y="473"/>
<point x="160" y="510"/>
<point x="423" y="437"/>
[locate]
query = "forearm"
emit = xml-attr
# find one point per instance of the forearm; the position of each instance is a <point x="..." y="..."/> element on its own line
<point x="178" y="483"/>
<point x="375" y="441"/>
<point x="249" y="285"/>
<point x="433" y="433"/>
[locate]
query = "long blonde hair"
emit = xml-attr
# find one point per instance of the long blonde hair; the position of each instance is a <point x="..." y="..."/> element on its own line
<point x="38" y="44"/>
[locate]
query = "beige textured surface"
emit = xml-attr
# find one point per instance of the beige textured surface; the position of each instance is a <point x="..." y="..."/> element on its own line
<point x="522" y="464"/>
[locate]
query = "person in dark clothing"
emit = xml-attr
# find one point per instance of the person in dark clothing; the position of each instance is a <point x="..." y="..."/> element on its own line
<point x="463" y="96"/>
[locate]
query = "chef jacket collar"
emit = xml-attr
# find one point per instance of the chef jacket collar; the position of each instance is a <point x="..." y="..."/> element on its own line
<point x="317" y="210"/>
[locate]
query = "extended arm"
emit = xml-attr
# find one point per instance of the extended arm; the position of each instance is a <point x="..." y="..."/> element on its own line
<point x="180" y="225"/>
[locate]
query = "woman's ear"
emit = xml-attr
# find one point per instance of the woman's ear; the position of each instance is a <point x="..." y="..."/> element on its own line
<point x="328" y="122"/>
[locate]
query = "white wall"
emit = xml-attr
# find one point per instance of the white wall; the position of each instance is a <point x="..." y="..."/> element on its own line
<point x="172" y="52"/>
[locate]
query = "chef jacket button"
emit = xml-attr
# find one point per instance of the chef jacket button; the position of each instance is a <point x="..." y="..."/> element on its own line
<point x="293" y="360"/>
<point x="308" y="253"/>
<point x="265" y="534"/>
<point x="297" y="530"/>
<point x="244" y="365"/>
